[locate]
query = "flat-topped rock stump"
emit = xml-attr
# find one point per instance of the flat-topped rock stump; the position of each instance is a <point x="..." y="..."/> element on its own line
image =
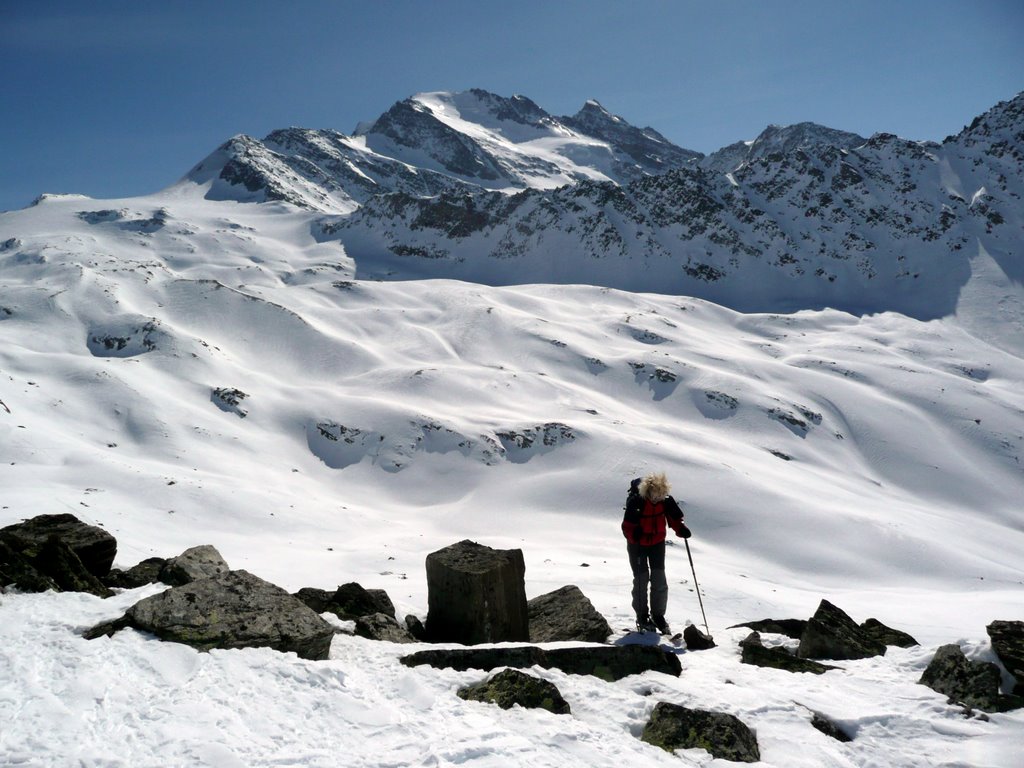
<point x="476" y="594"/>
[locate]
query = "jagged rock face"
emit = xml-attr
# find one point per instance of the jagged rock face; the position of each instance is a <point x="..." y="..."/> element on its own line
<point x="1008" y="643"/>
<point x="971" y="683"/>
<point x="776" y="140"/>
<point x="832" y="634"/>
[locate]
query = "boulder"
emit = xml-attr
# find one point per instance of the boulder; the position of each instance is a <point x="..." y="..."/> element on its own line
<point x="754" y="652"/>
<point x="793" y="628"/>
<point x="350" y="601"/>
<point x="887" y="635"/>
<point x="146" y="572"/>
<point x="231" y="610"/>
<point x="566" y="614"/>
<point x="725" y="736"/>
<point x="510" y="687"/>
<point x="92" y="545"/>
<point x="193" y="564"/>
<point x="974" y="684"/>
<point x="610" y="662"/>
<point x="416" y="628"/>
<point x="51" y="564"/>
<point x="829" y="728"/>
<point x="476" y="594"/>
<point x="1008" y="643"/>
<point x="381" y="626"/>
<point x="696" y="640"/>
<point x="831" y="634"/>
<point x="316" y="599"/>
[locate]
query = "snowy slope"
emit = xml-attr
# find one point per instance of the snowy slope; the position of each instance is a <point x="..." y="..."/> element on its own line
<point x="871" y="458"/>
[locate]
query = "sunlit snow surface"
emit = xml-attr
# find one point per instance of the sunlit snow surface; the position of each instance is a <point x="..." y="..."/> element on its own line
<point x="874" y="460"/>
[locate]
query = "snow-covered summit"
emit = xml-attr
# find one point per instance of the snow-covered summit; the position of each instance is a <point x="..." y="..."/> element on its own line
<point x="780" y="140"/>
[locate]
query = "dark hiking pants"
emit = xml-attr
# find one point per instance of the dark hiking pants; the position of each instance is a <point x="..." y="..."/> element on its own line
<point x="648" y="565"/>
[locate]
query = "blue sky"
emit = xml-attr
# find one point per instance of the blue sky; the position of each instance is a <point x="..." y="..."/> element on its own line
<point x="122" y="98"/>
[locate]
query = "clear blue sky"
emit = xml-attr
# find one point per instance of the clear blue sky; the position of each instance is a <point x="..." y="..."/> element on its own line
<point x="122" y="98"/>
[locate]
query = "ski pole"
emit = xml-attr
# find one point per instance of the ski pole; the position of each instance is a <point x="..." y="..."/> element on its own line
<point x="697" y="586"/>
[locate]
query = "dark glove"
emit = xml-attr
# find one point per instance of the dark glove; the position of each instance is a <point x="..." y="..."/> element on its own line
<point x="684" y="531"/>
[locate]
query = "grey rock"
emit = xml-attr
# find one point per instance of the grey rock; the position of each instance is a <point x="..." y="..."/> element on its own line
<point x="1008" y="643"/>
<point x="696" y="640"/>
<point x="606" y="662"/>
<point x="887" y="635"/>
<point x="415" y="627"/>
<point x="193" y="564"/>
<point x="832" y="634"/>
<point x="829" y="728"/>
<point x="754" y="652"/>
<point x="511" y="687"/>
<point x="34" y="566"/>
<point x="17" y="571"/>
<point x="231" y="610"/>
<point x="725" y="736"/>
<point x="350" y="601"/>
<point x="476" y="594"/>
<point x="146" y="572"/>
<point x="971" y="683"/>
<point x="381" y="626"/>
<point x="793" y="628"/>
<point x="93" y="546"/>
<point x="566" y="614"/>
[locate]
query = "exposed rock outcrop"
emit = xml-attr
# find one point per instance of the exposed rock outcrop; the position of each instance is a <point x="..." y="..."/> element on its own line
<point x="875" y="629"/>
<point x="606" y="662"/>
<point x="832" y="634"/>
<point x="566" y="614"/>
<point x="793" y="628"/>
<point x="725" y="736"/>
<point x="146" y="572"/>
<point x="92" y="545"/>
<point x="476" y="594"/>
<point x="511" y="687"/>
<point x="754" y="652"/>
<point x="696" y="640"/>
<point x="1008" y="643"/>
<point x="382" y="626"/>
<point x="193" y="564"/>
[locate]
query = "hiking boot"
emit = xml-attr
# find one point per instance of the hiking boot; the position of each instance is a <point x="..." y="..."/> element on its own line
<point x="644" y="624"/>
<point x="662" y="625"/>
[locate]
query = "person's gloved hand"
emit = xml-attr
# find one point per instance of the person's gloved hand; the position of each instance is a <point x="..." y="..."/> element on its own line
<point x="684" y="532"/>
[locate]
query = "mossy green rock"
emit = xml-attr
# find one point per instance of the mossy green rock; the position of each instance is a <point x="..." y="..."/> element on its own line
<point x="510" y="687"/>
<point x="725" y="736"/>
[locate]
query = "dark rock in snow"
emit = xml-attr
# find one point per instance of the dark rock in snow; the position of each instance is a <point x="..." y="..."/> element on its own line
<point x="606" y="662"/>
<point x="510" y="687"/>
<point x="971" y="683"/>
<point x="831" y="634"/>
<point x="93" y="546"/>
<point x="415" y="627"/>
<point x="350" y="601"/>
<point x="58" y="561"/>
<point x="316" y="599"/>
<point x="230" y="610"/>
<point x="887" y="635"/>
<point x="674" y="727"/>
<point x="17" y="571"/>
<point x="566" y="614"/>
<point x="829" y="728"/>
<point x="793" y="628"/>
<point x="697" y="640"/>
<point x="193" y="564"/>
<point x="476" y="594"/>
<point x="146" y="572"/>
<point x="754" y="652"/>
<point x="380" y="626"/>
<point x="1008" y="643"/>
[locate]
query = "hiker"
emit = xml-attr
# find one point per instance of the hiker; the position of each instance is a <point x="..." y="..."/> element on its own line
<point x="648" y="508"/>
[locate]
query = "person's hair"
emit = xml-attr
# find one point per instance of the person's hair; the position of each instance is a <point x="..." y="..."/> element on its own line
<point x="654" y="487"/>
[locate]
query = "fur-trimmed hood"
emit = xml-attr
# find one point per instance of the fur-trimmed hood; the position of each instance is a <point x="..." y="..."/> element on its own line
<point x="654" y="487"/>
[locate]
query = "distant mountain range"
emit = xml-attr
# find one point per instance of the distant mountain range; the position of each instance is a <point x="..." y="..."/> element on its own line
<point x="485" y="188"/>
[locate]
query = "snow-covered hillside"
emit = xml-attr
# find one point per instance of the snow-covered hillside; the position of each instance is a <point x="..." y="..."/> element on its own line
<point x="184" y="370"/>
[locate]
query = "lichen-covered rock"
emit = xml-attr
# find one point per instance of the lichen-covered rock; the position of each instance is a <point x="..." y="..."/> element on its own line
<point x="232" y="610"/>
<point x="566" y="614"/>
<point x="832" y="634"/>
<point x="92" y="545"/>
<point x="971" y="683"/>
<point x="887" y="635"/>
<point x="1008" y="643"/>
<point x="754" y="652"/>
<point x="611" y="662"/>
<point x="381" y="626"/>
<point x="511" y="687"/>
<point x="725" y="736"/>
<point x="193" y="564"/>
<point x="476" y="594"/>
